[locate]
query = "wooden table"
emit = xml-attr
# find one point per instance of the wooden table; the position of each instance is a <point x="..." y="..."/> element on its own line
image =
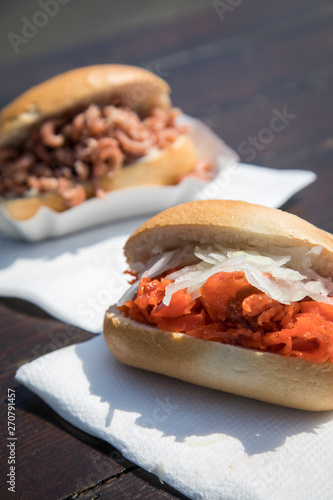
<point x="236" y="66"/>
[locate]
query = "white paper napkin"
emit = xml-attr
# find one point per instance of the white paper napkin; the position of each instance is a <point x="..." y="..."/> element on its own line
<point x="207" y="444"/>
<point x="235" y="181"/>
<point x="76" y="278"/>
<point x="264" y="186"/>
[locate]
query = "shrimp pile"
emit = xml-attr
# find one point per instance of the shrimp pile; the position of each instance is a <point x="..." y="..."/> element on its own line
<point x="66" y="152"/>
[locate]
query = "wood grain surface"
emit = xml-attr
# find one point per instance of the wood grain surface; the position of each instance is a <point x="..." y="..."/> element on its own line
<point x="235" y="69"/>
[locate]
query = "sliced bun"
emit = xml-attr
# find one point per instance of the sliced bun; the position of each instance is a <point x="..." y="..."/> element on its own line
<point x="76" y="89"/>
<point x="267" y="377"/>
<point x="166" y="167"/>
<point x="234" y="224"/>
<point x="25" y="208"/>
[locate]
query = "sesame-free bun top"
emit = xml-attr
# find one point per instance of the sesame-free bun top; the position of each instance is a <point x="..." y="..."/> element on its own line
<point x="233" y="224"/>
<point x="77" y="89"/>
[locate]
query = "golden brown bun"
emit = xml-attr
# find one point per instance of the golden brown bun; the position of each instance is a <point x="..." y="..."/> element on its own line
<point x="166" y="167"/>
<point x="264" y="376"/>
<point x="77" y="88"/>
<point x="267" y="377"/>
<point x="25" y="208"/>
<point x="234" y="224"/>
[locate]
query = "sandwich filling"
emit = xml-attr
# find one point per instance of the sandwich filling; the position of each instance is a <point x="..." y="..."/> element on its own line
<point x="66" y="152"/>
<point x="240" y="298"/>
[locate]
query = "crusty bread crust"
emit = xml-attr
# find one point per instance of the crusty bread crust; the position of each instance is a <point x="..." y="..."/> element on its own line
<point x="25" y="208"/>
<point x="165" y="167"/>
<point x="291" y="382"/>
<point x="269" y="377"/>
<point x="234" y="224"/>
<point x="78" y="88"/>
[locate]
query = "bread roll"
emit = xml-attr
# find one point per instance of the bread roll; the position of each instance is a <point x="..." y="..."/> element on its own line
<point x="72" y="92"/>
<point x="270" y="377"/>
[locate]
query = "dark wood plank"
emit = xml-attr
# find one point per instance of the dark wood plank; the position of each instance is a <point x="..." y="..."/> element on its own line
<point x="69" y="462"/>
<point x="133" y="484"/>
<point x="168" y="45"/>
<point x="30" y="333"/>
<point x="64" y="459"/>
<point x="46" y="444"/>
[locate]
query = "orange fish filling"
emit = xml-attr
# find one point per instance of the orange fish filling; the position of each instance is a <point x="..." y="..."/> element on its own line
<point x="231" y="311"/>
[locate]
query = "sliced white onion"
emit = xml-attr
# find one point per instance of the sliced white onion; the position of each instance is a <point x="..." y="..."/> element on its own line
<point x="283" y="291"/>
<point x="129" y="294"/>
<point x="284" y="284"/>
<point x="158" y="264"/>
<point x="209" y="256"/>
